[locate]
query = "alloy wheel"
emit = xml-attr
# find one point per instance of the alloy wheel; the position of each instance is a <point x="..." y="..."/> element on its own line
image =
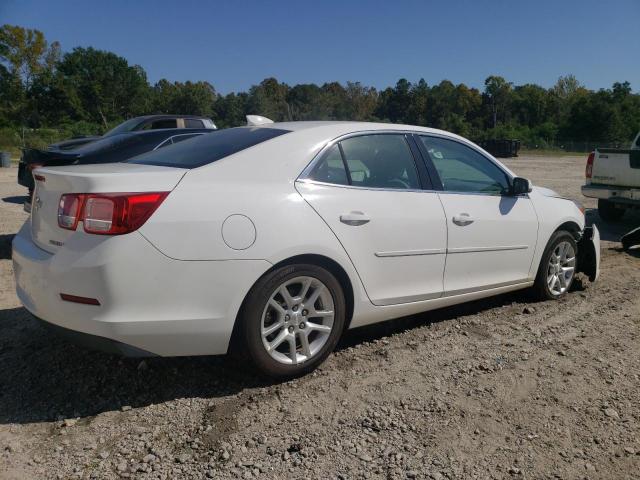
<point x="297" y="320"/>
<point x="561" y="268"/>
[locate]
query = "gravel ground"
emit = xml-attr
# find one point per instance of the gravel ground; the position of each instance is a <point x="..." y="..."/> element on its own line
<point x="499" y="388"/>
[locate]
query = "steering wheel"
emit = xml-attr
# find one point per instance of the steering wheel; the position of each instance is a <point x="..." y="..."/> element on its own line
<point x="398" y="181"/>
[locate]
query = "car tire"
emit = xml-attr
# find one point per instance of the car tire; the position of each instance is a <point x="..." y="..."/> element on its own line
<point x="546" y="287"/>
<point x="608" y="211"/>
<point x="265" y="308"/>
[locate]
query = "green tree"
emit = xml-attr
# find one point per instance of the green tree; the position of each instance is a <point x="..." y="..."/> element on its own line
<point x="102" y="87"/>
<point x="188" y="98"/>
<point x="230" y="110"/>
<point x="497" y="91"/>
<point x="25" y="58"/>
<point x="270" y="99"/>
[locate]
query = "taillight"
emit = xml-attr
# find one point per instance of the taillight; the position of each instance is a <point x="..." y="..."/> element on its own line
<point x="109" y="213"/>
<point x="589" y="170"/>
<point x="69" y="210"/>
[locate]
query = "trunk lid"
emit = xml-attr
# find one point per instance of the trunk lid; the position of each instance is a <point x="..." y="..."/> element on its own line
<point x="105" y="178"/>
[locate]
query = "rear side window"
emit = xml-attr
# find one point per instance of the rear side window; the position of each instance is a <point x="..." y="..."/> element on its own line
<point x="193" y="123"/>
<point x="331" y="168"/>
<point x="208" y="148"/>
<point x="370" y="161"/>
<point x="166" y="123"/>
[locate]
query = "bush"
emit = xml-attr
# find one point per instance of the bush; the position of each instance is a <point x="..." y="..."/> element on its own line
<point x="12" y="139"/>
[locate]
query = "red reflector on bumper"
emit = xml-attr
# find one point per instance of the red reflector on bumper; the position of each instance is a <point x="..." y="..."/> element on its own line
<point x="76" y="299"/>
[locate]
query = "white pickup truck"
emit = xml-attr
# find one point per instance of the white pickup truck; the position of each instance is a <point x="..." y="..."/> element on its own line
<point x="613" y="177"/>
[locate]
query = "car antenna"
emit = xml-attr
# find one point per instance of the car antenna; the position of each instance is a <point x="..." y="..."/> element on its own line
<point x="255" y="120"/>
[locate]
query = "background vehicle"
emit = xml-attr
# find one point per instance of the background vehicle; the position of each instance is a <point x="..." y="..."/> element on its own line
<point x="113" y="147"/>
<point x="147" y="122"/>
<point x="277" y="238"/>
<point x="613" y="177"/>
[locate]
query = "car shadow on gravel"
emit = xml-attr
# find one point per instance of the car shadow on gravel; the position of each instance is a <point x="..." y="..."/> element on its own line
<point x="17" y="199"/>
<point x="5" y="246"/>
<point x="612" y="231"/>
<point x="400" y="325"/>
<point x="44" y="378"/>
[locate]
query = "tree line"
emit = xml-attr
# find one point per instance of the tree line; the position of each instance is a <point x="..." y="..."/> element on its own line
<point x="87" y="91"/>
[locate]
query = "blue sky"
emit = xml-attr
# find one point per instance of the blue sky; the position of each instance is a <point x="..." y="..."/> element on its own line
<point x="234" y="44"/>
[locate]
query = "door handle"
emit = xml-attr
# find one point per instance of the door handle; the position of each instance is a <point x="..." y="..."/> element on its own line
<point x="463" y="219"/>
<point x="354" y="219"/>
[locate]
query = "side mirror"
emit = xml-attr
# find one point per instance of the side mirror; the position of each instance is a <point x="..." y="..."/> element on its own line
<point x="520" y="186"/>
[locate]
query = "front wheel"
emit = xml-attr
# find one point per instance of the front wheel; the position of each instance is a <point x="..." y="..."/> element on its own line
<point x="292" y="320"/>
<point x="557" y="267"/>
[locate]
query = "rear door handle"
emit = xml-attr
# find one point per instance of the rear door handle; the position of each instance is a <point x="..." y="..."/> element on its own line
<point x="463" y="219"/>
<point x="354" y="219"/>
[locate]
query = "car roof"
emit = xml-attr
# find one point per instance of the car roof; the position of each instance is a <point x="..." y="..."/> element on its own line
<point x="168" y="116"/>
<point x="351" y="126"/>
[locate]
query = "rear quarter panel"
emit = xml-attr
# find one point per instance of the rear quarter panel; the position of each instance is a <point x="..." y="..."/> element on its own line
<point x="257" y="183"/>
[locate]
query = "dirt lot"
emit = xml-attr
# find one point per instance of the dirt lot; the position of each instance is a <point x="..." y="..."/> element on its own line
<point x="500" y="388"/>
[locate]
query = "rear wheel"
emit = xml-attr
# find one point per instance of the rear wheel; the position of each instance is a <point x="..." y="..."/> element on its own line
<point x="608" y="211"/>
<point x="557" y="267"/>
<point x="292" y="320"/>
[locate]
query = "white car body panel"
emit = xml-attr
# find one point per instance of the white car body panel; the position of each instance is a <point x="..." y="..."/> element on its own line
<point x="404" y="237"/>
<point x="176" y="285"/>
<point x="496" y="248"/>
<point x="149" y="301"/>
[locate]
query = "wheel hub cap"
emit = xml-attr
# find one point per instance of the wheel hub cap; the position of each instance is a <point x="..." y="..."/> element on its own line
<point x="297" y="320"/>
<point x="561" y="268"/>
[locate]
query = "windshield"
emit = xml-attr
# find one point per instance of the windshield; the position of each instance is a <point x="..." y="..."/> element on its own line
<point x="208" y="148"/>
<point x="124" y="127"/>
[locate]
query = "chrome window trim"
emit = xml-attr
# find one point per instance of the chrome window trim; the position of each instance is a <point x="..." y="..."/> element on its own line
<point x="304" y="176"/>
<point x="411" y="190"/>
<point x="356" y="187"/>
<point x="193" y="134"/>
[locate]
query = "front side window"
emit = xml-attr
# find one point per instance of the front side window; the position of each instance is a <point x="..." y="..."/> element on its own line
<point x="371" y="161"/>
<point x="462" y="169"/>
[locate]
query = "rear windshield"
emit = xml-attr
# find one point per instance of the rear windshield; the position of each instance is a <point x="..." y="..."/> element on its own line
<point x="208" y="148"/>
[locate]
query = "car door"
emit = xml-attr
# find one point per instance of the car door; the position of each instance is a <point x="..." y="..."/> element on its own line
<point x="491" y="233"/>
<point x="368" y="189"/>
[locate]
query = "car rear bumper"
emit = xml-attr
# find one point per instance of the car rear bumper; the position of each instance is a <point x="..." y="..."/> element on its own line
<point x="94" y="342"/>
<point x="147" y="301"/>
<point x="624" y="195"/>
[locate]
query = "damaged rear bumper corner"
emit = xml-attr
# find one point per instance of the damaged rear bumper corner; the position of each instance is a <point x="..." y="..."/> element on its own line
<point x="589" y="253"/>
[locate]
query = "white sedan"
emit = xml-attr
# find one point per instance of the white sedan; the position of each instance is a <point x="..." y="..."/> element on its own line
<point x="274" y="239"/>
